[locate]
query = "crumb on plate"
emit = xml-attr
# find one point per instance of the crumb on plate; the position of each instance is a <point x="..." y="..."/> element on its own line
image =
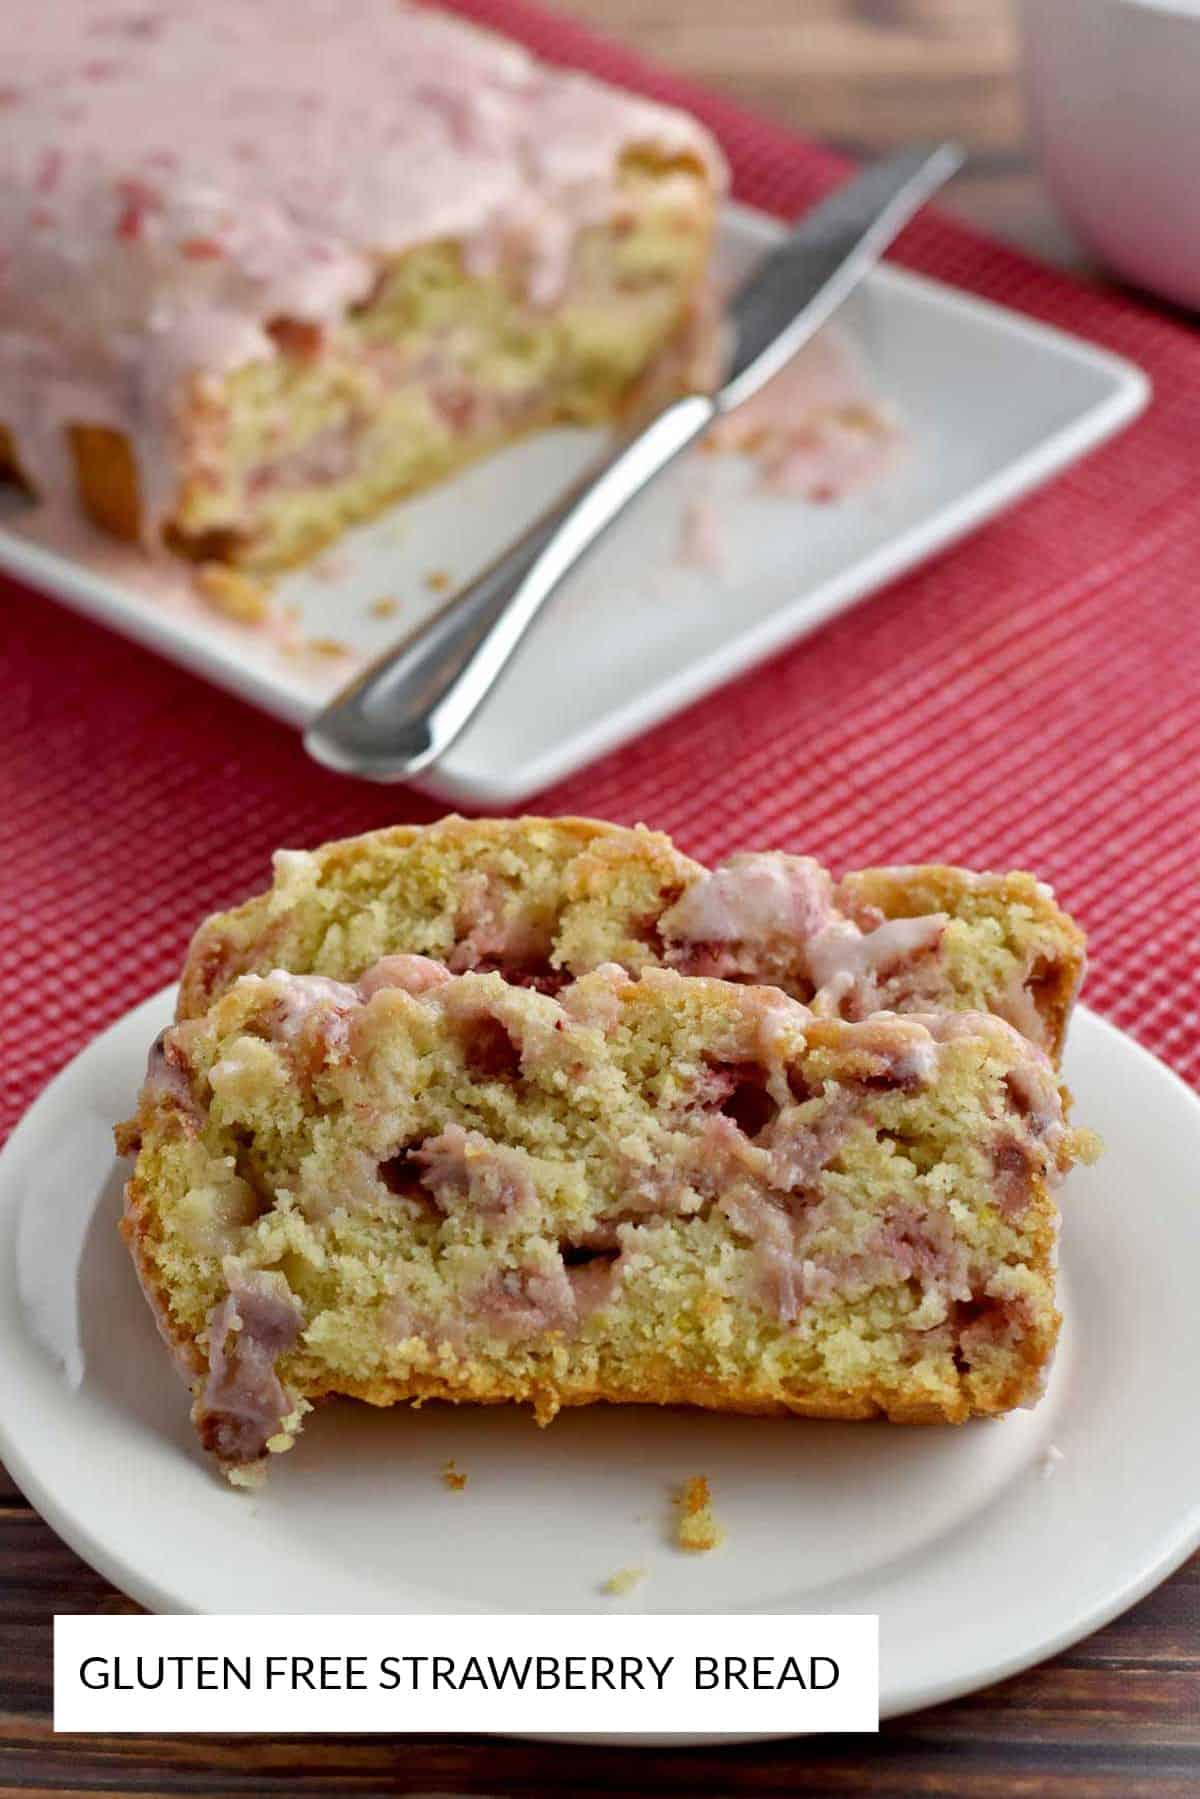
<point x="383" y="608"/>
<point x="623" y="1581"/>
<point x="452" y="1478"/>
<point x="236" y="595"/>
<point x="696" y="1528"/>
<point x="439" y="580"/>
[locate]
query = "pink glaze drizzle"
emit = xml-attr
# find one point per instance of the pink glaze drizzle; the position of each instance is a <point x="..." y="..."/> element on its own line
<point x="178" y="175"/>
<point x="751" y="899"/>
<point x="243" y="1403"/>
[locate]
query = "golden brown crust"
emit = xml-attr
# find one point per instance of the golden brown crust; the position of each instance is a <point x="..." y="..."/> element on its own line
<point x="136" y="1226"/>
<point x="10" y="467"/>
<point x="106" y="479"/>
<point x="666" y="1388"/>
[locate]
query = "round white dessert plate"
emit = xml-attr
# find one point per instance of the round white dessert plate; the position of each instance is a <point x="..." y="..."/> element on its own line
<point x="982" y="1548"/>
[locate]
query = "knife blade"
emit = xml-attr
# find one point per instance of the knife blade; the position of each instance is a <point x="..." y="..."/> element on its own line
<point x="797" y="285"/>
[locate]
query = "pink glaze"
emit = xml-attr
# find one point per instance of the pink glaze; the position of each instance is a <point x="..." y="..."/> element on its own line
<point x="1034" y="1091"/>
<point x="465" y="1171"/>
<point x="167" y="1075"/>
<point x="896" y="1052"/>
<point x="313" y="1010"/>
<point x="243" y="1403"/>
<point x="595" y="1000"/>
<point x="178" y="175"/>
<point x="310" y="1006"/>
<point x="776" y="1020"/>
<point x="1019" y="1009"/>
<point x="751" y="899"/>
<point x="526" y="1302"/>
<point x="488" y="932"/>
<point x="412" y="974"/>
<point x="922" y="1245"/>
<point x="1033" y="1070"/>
<point x="846" y="965"/>
<point x="949" y="1026"/>
<point x="1030" y="1140"/>
<point x="799" y="1150"/>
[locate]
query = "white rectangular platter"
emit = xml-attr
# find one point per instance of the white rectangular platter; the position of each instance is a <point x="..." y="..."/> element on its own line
<point x="992" y="404"/>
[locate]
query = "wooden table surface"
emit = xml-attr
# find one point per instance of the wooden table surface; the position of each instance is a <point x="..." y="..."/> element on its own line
<point x="866" y="75"/>
<point x="1118" y="1716"/>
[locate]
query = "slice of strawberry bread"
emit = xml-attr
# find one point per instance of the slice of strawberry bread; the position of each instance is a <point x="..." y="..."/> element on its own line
<point x="667" y="1190"/>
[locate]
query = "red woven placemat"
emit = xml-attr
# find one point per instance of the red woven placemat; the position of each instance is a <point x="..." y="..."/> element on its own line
<point x="1030" y="699"/>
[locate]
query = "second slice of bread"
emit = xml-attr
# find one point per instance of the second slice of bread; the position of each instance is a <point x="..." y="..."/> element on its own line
<point x="543" y="901"/>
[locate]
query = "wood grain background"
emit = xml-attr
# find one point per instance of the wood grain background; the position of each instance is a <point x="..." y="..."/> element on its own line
<point x="866" y="75"/>
<point x="1116" y="1718"/>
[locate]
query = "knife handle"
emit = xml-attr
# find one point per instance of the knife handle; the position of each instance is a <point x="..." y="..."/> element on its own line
<point x="406" y="709"/>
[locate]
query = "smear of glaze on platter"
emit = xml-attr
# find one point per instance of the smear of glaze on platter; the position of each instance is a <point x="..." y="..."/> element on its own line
<point x="819" y="431"/>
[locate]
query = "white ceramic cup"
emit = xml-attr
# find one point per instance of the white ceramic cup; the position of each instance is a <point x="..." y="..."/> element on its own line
<point x="1114" y="90"/>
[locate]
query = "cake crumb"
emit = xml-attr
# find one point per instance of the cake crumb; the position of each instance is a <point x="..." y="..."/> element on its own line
<point x="234" y="594"/>
<point x="452" y="1478"/>
<point x="327" y="646"/>
<point x="439" y="580"/>
<point x="817" y="431"/>
<point x="251" y="1478"/>
<point x="1051" y="1461"/>
<point x="383" y="608"/>
<point x="696" y="1528"/>
<point x="623" y="1581"/>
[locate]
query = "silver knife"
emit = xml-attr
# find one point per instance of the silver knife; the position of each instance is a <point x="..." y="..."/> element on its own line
<point x="405" y="710"/>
